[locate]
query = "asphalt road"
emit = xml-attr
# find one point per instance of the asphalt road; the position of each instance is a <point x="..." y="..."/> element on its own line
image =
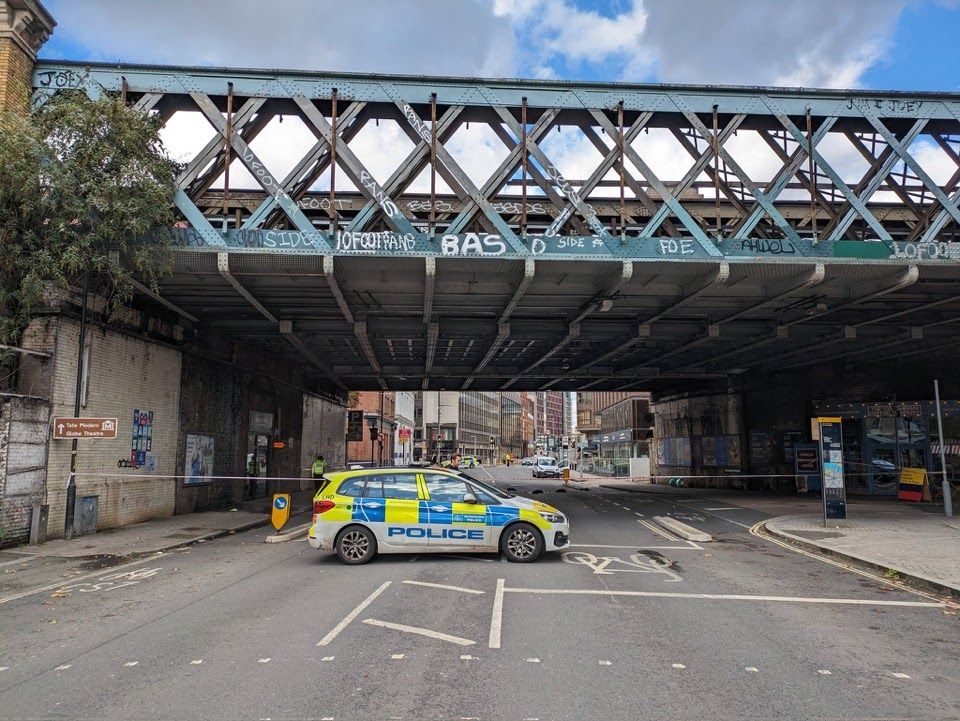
<point x="630" y="623"/>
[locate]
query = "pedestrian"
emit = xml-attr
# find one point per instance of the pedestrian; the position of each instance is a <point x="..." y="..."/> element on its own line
<point x="253" y="474"/>
<point x="317" y="470"/>
<point x="506" y="458"/>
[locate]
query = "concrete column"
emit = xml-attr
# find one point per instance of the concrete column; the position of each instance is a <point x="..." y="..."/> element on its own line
<point x="25" y="26"/>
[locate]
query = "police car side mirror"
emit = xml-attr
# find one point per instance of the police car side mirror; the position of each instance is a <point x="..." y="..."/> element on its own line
<point x="470" y="498"/>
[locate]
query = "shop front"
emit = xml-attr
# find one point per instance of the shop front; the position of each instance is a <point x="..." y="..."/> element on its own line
<point x="881" y="438"/>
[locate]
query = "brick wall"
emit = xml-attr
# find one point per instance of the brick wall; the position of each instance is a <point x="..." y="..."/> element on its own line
<point x="16" y="70"/>
<point x="23" y="448"/>
<point x="126" y="373"/>
<point x="212" y="403"/>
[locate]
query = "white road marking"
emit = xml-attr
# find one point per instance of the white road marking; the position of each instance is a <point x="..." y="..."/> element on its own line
<point x="196" y="662"/>
<point x="396" y="656"/>
<point x="4" y="668"/>
<point x="729" y="597"/>
<point x="659" y="531"/>
<point x="130" y="664"/>
<point x="352" y="615"/>
<point x="468" y="657"/>
<point x="533" y="660"/>
<point x="63" y="667"/>
<point x="420" y="632"/>
<point x="469" y="558"/>
<point x="447" y="588"/>
<point x="900" y="675"/>
<point x="263" y="660"/>
<point x="752" y="669"/>
<point x="824" y="672"/>
<point x="95" y="574"/>
<point x="17" y="561"/>
<point x="722" y="508"/>
<point x="327" y="658"/>
<point x="605" y="663"/>
<point x="496" y="619"/>
<point x="678" y="665"/>
<point x="638" y="547"/>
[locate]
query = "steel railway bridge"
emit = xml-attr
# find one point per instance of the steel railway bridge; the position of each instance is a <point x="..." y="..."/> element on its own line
<point x="676" y="257"/>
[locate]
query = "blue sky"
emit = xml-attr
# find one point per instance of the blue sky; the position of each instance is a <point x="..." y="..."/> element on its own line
<point x="884" y="44"/>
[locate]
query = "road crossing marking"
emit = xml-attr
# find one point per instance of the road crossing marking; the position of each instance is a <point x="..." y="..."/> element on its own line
<point x="443" y="586"/>
<point x="496" y="619"/>
<point x="327" y="658"/>
<point x="533" y="660"/>
<point x="752" y="669"/>
<point x="678" y="665"/>
<point x="605" y="663"/>
<point x="396" y="656"/>
<point x="420" y="631"/>
<point x="335" y="631"/>
<point x="730" y="597"/>
<point x="824" y="672"/>
<point x="130" y="664"/>
<point x="196" y="662"/>
<point x="263" y="660"/>
<point x="900" y="675"/>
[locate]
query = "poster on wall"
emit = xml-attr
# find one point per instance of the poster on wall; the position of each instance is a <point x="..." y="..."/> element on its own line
<point x="761" y="451"/>
<point x="141" y="440"/>
<point x="720" y="451"/>
<point x="674" y="451"/>
<point x="198" y="459"/>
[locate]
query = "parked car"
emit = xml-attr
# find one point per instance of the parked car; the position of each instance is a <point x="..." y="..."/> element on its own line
<point x="469" y="462"/>
<point x="546" y="467"/>
<point x="528" y="461"/>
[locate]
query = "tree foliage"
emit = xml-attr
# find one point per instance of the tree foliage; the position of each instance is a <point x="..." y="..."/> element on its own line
<point x="83" y="184"/>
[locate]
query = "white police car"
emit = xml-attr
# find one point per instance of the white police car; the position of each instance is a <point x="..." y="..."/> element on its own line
<point x="359" y="513"/>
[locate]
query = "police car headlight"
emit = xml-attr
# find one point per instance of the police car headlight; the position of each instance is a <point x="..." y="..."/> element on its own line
<point x="553" y="518"/>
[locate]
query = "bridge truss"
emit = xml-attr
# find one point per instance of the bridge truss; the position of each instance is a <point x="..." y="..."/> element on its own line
<point x="700" y="251"/>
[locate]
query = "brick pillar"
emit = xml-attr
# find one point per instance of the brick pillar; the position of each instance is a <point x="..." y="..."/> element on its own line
<point x="25" y="26"/>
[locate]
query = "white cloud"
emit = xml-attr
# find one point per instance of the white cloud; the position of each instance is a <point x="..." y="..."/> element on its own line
<point x="420" y="36"/>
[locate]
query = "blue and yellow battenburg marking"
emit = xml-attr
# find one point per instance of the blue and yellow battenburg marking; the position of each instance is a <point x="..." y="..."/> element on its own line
<point x="380" y="510"/>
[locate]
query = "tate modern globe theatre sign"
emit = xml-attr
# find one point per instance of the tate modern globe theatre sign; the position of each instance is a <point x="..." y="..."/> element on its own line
<point x="84" y="428"/>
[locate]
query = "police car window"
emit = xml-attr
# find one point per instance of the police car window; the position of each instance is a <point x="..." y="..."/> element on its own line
<point x="482" y="496"/>
<point x="400" y="485"/>
<point x="353" y="487"/>
<point x="374" y="487"/>
<point x="445" y="488"/>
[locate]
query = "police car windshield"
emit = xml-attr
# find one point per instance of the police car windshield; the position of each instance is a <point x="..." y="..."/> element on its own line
<point x="488" y="487"/>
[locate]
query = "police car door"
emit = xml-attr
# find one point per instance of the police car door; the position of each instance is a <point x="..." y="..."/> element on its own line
<point x="451" y="523"/>
<point x="392" y="505"/>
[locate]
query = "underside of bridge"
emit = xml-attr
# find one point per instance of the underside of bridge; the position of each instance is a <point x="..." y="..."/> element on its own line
<point x="487" y="324"/>
<point x="715" y="231"/>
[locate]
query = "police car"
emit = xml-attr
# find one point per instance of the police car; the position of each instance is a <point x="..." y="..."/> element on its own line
<point x="359" y="513"/>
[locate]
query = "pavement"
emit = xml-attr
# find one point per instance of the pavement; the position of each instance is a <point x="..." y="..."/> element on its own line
<point x="629" y="622"/>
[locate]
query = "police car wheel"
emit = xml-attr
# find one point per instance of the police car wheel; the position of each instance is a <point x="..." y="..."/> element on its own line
<point x="356" y="545"/>
<point x="521" y="543"/>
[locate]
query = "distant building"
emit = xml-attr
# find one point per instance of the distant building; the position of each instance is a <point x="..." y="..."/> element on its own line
<point x="378" y="412"/>
<point x="617" y="427"/>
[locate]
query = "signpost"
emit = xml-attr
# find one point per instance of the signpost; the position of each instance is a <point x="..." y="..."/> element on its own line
<point x="281" y="510"/>
<point x="85" y="428"/>
<point x="354" y="425"/>
<point x="831" y="461"/>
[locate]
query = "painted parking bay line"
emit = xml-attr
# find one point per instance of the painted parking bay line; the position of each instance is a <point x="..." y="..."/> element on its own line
<point x="729" y="597"/>
<point x="335" y="631"/>
<point x="443" y="586"/>
<point x="420" y="632"/>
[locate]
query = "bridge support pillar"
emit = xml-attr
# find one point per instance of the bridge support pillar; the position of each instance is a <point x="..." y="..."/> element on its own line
<point x="25" y="26"/>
